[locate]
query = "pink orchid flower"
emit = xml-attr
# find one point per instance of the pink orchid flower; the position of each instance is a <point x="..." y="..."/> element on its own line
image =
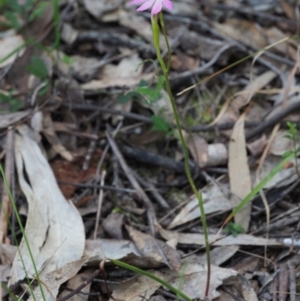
<point x="156" y="5"/>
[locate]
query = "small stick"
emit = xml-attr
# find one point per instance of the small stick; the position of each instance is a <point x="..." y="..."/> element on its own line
<point x="140" y="192"/>
<point x="80" y="287"/>
<point x="100" y="201"/>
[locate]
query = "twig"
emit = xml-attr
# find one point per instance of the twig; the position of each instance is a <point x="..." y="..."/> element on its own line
<point x="91" y="148"/>
<point x="80" y="287"/>
<point x="289" y="109"/>
<point x="292" y="280"/>
<point x="152" y="190"/>
<point x="141" y="194"/>
<point x="100" y="201"/>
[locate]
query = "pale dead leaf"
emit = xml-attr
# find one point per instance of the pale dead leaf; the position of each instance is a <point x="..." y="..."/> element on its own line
<point x="281" y="144"/>
<point x="154" y="248"/>
<point x="97" y="8"/>
<point x="215" y="199"/>
<point x="239" y="173"/>
<point x="74" y="283"/>
<point x="103" y="249"/>
<point x="283" y="178"/>
<point x="68" y="33"/>
<point x="7" y="253"/>
<point x="126" y="73"/>
<point x="48" y="131"/>
<point x="8" y="45"/>
<point x="198" y="148"/>
<point x="206" y="154"/>
<point x="189" y="280"/>
<point x="257" y="146"/>
<point x="11" y="118"/>
<point x="53" y="280"/>
<point x="124" y="250"/>
<point x="218" y="240"/>
<point x="242" y="98"/>
<point x="54" y="228"/>
<point x="137" y="288"/>
<point x="243" y="31"/>
<point x="140" y="25"/>
<point x="5" y="270"/>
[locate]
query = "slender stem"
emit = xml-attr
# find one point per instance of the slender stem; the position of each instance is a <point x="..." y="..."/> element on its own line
<point x="162" y="23"/>
<point x="198" y="194"/>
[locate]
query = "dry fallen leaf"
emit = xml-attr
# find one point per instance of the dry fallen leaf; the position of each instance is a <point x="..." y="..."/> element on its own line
<point x="74" y="283"/>
<point x="215" y="199"/>
<point x="54" y="228"/>
<point x="239" y="173"/>
<point x="8" y="45"/>
<point x="189" y="279"/>
<point x="154" y="248"/>
<point x="124" y="250"/>
<point x="218" y="240"/>
<point x="98" y="8"/>
<point x="53" y="280"/>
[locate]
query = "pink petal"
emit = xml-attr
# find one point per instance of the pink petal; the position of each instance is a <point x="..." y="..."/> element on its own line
<point x="146" y="5"/>
<point x="134" y="2"/>
<point x="157" y="7"/>
<point x="167" y="4"/>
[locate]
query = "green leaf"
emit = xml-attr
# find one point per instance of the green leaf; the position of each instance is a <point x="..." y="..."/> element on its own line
<point x="127" y="97"/>
<point x="39" y="10"/>
<point x="150" y="93"/>
<point x="143" y="83"/>
<point x="14" y="104"/>
<point x="45" y="89"/>
<point x="233" y="228"/>
<point x="13" y="20"/>
<point x="38" y="68"/>
<point x="160" y="124"/>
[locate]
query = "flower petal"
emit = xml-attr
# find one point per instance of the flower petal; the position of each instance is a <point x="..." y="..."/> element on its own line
<point x="134" y="2"/>
<point x="167" y="4"/>
<point x="146" y="5"/>
<point x="157" y="7"/>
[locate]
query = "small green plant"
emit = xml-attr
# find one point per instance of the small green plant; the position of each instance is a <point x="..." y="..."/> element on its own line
<point x="233" y="228"/>
<point x="13" y="103"/>
<point x="38" y="68"/>
<point x="14" y="11"/>
<point x="159" y="124"/>
<point x="144" y="90"/>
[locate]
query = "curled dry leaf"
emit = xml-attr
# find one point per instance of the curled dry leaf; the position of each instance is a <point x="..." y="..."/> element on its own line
<point x="206" y="154"/>
<point x="51" y="281"/>
<point x="124" y="250"/>
<point x="54" y="228"/>
<point x="155" y="249"/>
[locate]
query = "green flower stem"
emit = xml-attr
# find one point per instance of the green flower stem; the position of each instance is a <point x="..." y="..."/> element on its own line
<point x="155" y="29"/>
<point x="162" y="23"/>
